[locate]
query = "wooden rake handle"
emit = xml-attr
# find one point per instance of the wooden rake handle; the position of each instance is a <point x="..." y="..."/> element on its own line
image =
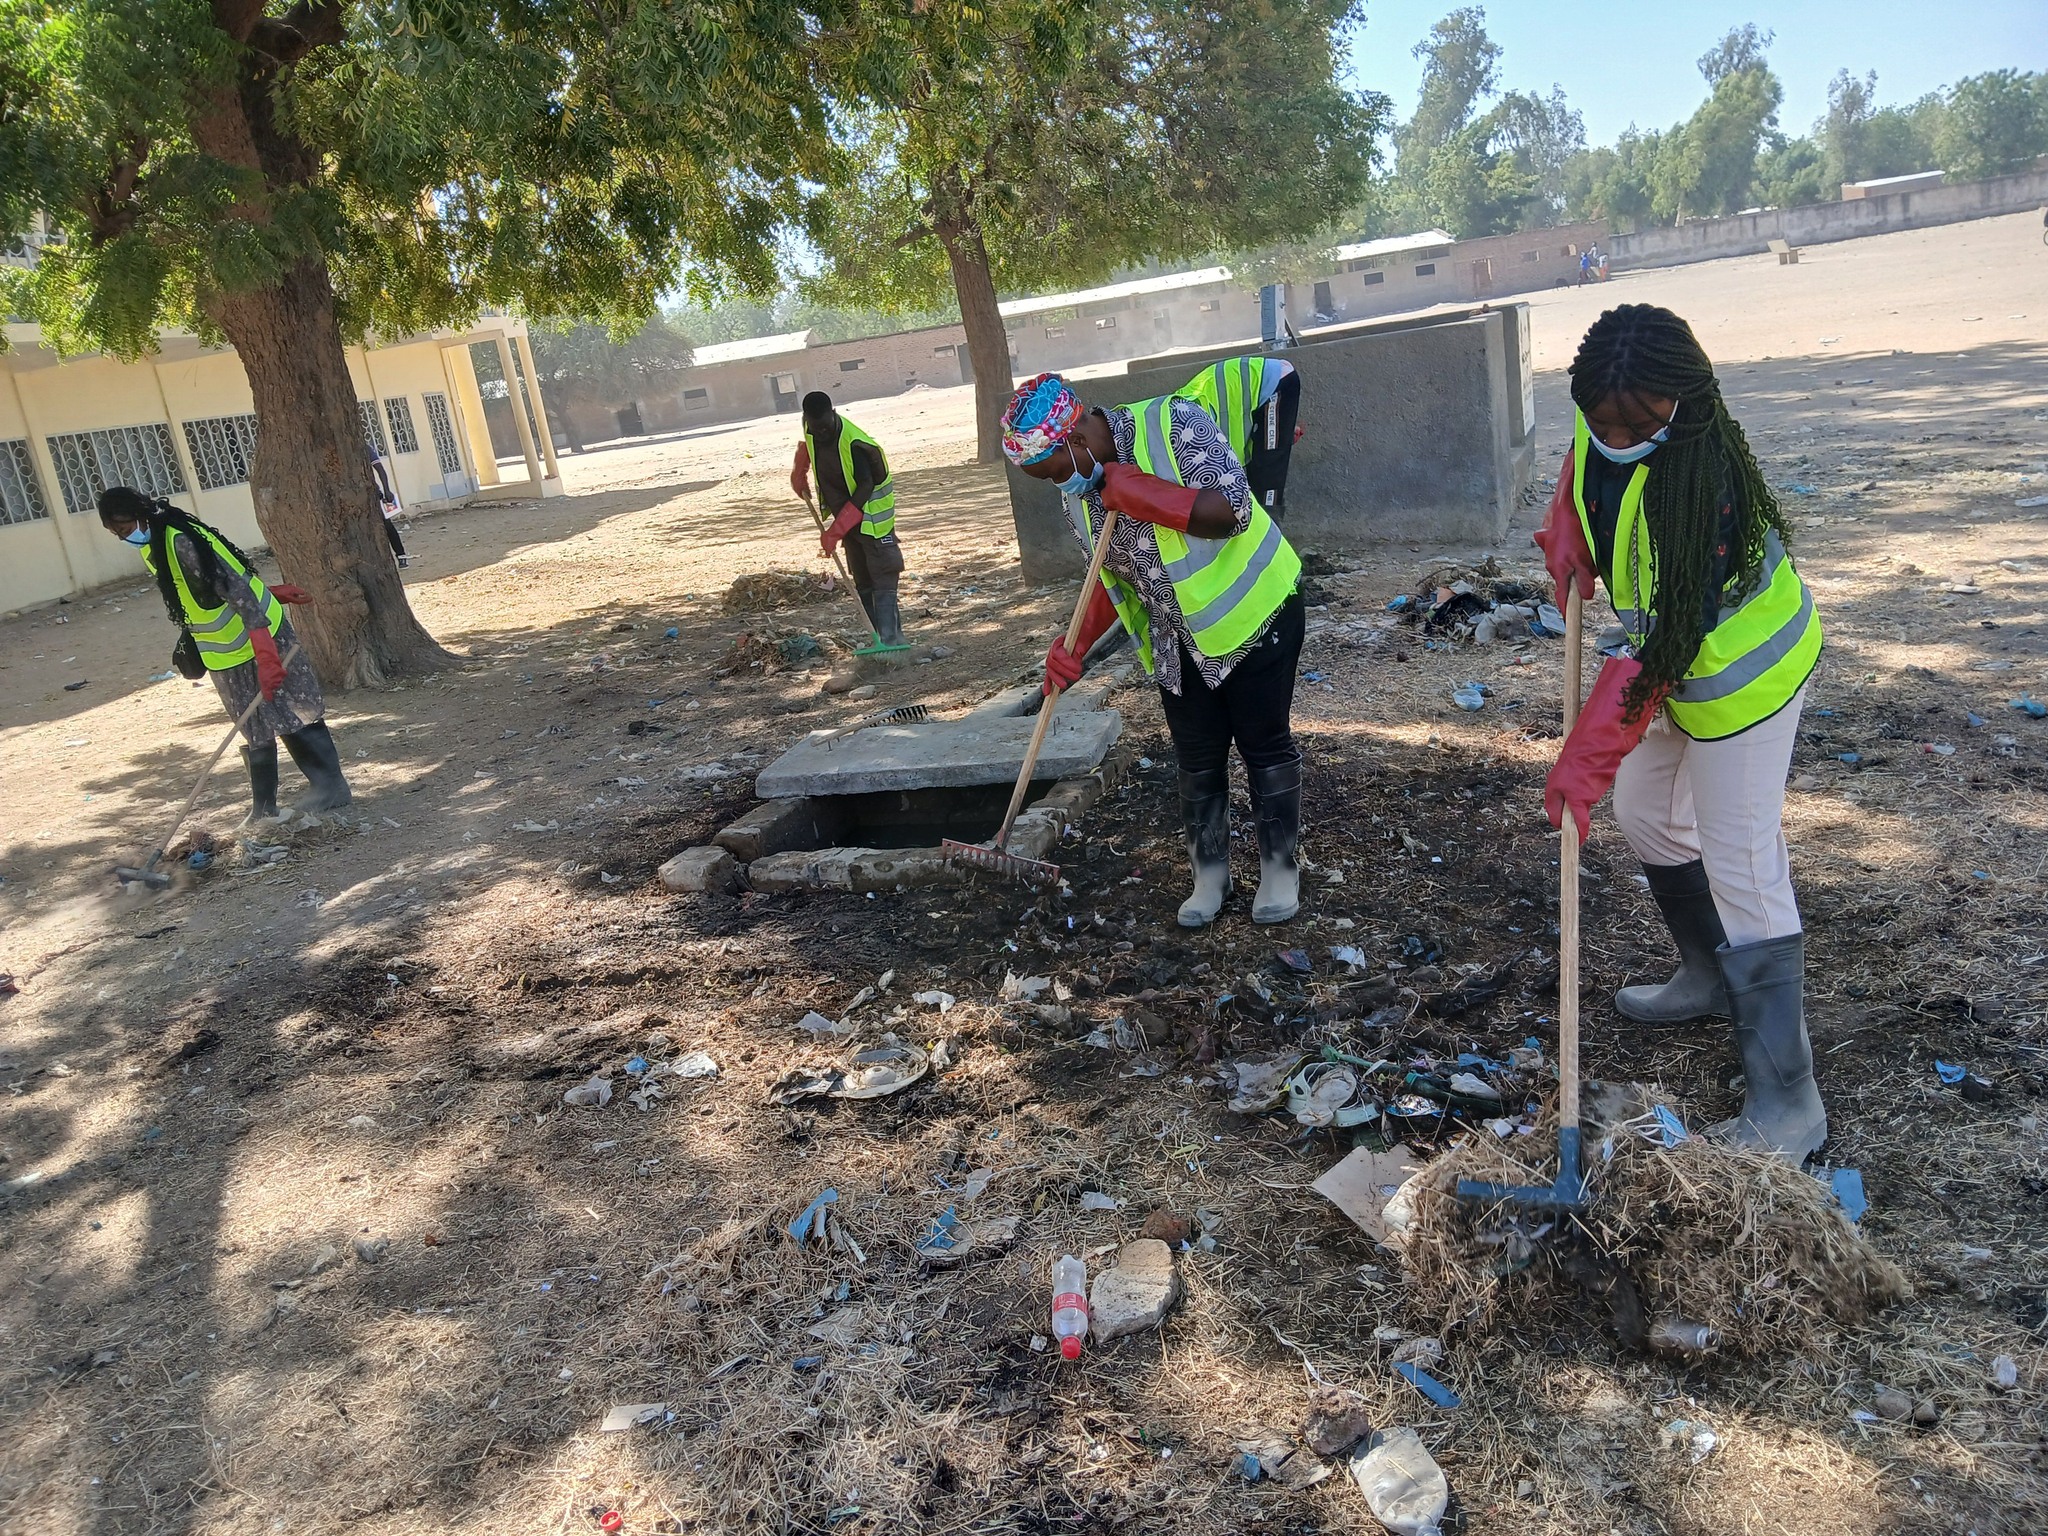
<point x="844" y="579"/>
<point x="1053" y="698"/>
<point x="206" y="773"/>
<point x="1568" y="887"/>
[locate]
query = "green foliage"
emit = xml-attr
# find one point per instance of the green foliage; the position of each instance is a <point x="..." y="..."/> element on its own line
<point x="1794" y="172"/>
<point x="1461" y="67"/>
<point x="1993" y="124"/>
<point x="1707" y="166"/>
<point x="1092" y="137"/>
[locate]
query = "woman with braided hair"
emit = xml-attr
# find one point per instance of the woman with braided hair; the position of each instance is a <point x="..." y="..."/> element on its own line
<point x="1692" y="719"/>
<point x="234" y="628"/>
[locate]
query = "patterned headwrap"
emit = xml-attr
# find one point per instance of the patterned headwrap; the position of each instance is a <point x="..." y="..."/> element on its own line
<point x="1042" y="413"/>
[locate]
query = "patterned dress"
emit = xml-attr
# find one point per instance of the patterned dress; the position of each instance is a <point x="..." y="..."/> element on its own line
<point x="299" y="703"/>
<point x="1206" y="460"/>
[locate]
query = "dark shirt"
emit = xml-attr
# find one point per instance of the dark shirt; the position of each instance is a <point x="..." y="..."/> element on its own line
<point x="832" y="489"/>
<point x="1605" y="483"/>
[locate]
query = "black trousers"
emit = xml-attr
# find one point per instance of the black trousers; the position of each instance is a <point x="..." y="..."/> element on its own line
<point x="1273" y="445"/>
<point x="391" y="533"/>
<point x="874" y="564"/>
<point x="1252" y="708"/>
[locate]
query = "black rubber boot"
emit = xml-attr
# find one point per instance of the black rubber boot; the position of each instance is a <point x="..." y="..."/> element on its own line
<point x="313" y="749"/>
<point x="262" y="765"/>
<point x="888" y="617"/>
<point x="1276" y="796"/>
<point x="1205" y="812"/>
<point x="1781" y="1111"/>
<point x="1694" y="990"/>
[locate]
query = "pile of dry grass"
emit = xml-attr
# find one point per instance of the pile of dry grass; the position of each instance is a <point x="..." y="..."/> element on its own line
<point x="1737" y="1240"/>
<point x="767" y="591"/>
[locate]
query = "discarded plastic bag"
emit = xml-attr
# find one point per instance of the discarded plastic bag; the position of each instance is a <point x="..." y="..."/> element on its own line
<point x="881" y="1071"/>
<point x="594" y="1094"/>
<point x="1403" y="1486"/>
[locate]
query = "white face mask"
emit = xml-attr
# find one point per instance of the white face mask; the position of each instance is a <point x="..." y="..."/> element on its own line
<point x="1641" y="450"/>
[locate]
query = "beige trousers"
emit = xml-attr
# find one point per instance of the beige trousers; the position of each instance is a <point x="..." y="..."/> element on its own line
<point x="1721" y="802"/>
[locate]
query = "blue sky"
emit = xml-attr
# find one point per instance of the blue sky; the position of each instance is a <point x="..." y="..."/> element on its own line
<point x="1636" y="62"/>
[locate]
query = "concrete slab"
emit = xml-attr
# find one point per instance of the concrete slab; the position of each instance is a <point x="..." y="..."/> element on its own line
<point x="938" y="754"/>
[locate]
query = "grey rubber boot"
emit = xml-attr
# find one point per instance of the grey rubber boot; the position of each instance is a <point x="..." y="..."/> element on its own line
<point x="1205" y="812"/>
<point x="1276" y="797"/>
<point x="1694" y="990"/>
<point x="313" y="749"/>
<point x="888" y="614"/>
<point x="262" y="765"/>
<point x="867" y="604"/>
<point x="1781" y="1111"/>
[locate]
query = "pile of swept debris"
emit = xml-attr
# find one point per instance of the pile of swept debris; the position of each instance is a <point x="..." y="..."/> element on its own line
<point x="1459" y="605"/>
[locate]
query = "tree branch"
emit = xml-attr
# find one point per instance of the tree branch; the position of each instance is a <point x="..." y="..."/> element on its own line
<point x="112" y="212"/>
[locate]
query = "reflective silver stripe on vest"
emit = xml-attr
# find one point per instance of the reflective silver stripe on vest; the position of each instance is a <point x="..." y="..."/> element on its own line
<point x="1244" y="372"/>
<point x="221" y="647"/>
<point x="1747" y="668"/>
<point x="1159" y="431"/>
<point x="1639" y="624"/>
<point x="1219" y="607"/>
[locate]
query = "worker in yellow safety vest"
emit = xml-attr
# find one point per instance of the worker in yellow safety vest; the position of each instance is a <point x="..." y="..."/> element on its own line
<point x="234" y="629"/>
<point x="1693" y="718"/>
<point x="1208" y="588"/>
<point x="1256" y="401"/>
<point x="854" y="483"/>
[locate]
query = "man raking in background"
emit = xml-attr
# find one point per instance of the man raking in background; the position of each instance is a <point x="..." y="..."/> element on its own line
<point x="1255" y="400"/>
<point x="854" y="481"/>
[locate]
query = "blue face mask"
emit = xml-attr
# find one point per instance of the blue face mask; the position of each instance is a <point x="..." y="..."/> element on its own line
<point x="138" y="536"/>
<point x="1641" y="450"/>
<point x="1078" y="484"/>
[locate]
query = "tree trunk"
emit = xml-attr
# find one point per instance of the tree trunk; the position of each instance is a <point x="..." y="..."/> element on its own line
<point x="988" y="343"/>
<point x="315" y="500"/>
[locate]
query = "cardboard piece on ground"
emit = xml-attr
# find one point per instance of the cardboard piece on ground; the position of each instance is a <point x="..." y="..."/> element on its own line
<point x="1362" y="1184"/>
<point x="626" y="1415"/>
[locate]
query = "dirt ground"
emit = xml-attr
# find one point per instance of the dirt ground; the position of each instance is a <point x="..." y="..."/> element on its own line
<point x="297" y="1234"/>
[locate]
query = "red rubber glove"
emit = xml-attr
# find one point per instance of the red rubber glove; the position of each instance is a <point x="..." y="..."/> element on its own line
<point x="840" y="526"/>
<point x="1129" y="492"/>
<point x="285" y="592"/>
<point x="1601" y="738"/>
<point x="1062" y="666"/>
<point x="269" y="665"/>
<point x="800" y="473"/>
<point x="1563" y="541"/>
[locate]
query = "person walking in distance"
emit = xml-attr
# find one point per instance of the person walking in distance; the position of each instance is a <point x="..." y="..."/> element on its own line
<point x="1693" y="717"/>
<point x="234" y="629"/>
<point x="1208" y="588"/>
<point x="854" y="483"/>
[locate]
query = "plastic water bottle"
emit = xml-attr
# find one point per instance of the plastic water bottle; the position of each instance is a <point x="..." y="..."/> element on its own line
<point x="1070" y="1305"/>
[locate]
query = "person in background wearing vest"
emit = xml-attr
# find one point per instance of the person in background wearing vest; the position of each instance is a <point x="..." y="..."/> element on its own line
<point x="1692" y="719"/>
<point x="1256" y="401"/>
<point x="236" y="630"/>
<point x="853" y="477"/>
<point x="1207" y="585"/>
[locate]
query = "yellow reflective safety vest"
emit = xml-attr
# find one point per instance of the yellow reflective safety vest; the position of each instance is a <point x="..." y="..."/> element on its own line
<point x="220" y="634"/>
<point x="1229" y="392"/>
<point x="878" y="517"/>
<point x="1762" y="648"/>
<point x="1226" y="588"/>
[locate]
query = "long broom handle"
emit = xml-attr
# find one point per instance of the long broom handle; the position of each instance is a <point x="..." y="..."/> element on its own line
<point x="1568" y="890"/>
<point x="819" y="518"/>
<point x="207" y="772"/>
<point x="1053" y="698"/>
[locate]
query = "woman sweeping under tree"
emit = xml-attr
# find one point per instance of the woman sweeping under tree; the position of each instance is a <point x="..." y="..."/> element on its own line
<point x="1692" y="720"/>
<point x="1207" y="586"/>
<point x="235" y="629"/>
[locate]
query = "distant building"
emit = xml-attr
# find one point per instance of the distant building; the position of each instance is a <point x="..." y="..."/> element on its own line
<point x="181" y="425"/>
<point x="1885" y="186"/>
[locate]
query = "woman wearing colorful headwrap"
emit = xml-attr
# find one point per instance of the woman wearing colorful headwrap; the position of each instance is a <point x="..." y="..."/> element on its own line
<point x="1208" y="588"/>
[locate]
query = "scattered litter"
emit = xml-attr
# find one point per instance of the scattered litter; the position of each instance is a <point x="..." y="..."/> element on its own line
<point x="2032" y="501"/>
<point x="2005" y="1373"/>
<point x="818" y="1024"/>
<point x="802" y="1083"/>
<point x="1095" y="1200"/>
<point x="812" y="1222"/>
<point x="1419" y="1351"/>
<point x="944" y="1235"/>
<point x="2030" y="706"/>
<point x="1695" y="1439"/>
<point x="1428" y="1385"/>
<point x="1470" y="697"/>
<point x="1261" y="1081"/>
<point x="1297" y="961"/>
<point x="1403" y="1486"/>
<point x="626" y="1415"/>
<point x="1365" y="1182"/>
<point x="696" y="1064"/>
<point x="594" y="1094"/>
<point x="1949" y="1073"/>
<point x="1020" y="989"/>
<point x="943" y="1001"/>
<point x="1851" y="758"/>
<point x="1350" y="956"/>
<point x="535" y="826"/>
<point x="1276" y="1458"/>
<point x="882" y="1070"/>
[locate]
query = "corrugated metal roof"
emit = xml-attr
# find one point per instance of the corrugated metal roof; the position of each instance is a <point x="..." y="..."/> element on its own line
<point x="753" y="346"/>
<point x="1167" y="283"/>
<point x="1394" y="245"/>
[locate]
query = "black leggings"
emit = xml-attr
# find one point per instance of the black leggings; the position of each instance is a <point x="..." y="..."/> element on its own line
<point x="1252" y="708"/>
<point x="1273" y="446"/>
<point x="391" y="533"/>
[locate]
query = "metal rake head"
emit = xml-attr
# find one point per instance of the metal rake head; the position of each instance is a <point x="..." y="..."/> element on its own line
<point x="1015" y="866"/>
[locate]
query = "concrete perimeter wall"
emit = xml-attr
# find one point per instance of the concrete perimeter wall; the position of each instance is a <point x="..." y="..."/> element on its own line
<point x="1751" y="233"/>
<point x="1417" y="430"/>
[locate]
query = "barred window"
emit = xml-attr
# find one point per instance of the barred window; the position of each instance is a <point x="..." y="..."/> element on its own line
<point x="399" y="410"/>
<point x="442" y="429"/>
<point x="88" y="462"/>
<point x="373" y="427"/>
<point x="21" y="498"/>
<point x="223" y="448"/>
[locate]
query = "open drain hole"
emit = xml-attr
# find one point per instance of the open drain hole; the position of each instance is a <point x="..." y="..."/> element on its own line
<point x="915" y="818"/>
